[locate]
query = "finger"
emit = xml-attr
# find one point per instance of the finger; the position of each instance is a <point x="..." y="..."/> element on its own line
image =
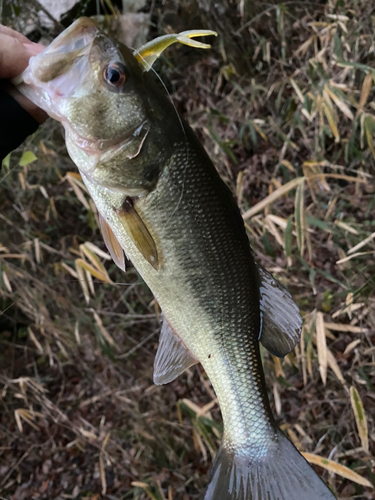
<point x="34" y="49"/>
<point x="15" y="55"/>
<point x="4" y="30"/>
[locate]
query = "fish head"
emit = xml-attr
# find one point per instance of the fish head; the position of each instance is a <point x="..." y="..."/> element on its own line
<point x="98" y="90"/>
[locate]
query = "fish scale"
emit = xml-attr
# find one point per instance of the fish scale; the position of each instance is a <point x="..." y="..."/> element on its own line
<point x="226" y="291"/>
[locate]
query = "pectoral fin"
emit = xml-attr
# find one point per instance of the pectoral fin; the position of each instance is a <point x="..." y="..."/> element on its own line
<point x="149" y="52"/>
<point x="138" y="232"/>
<point x="114" y="247"/>
<point x="172" y="357"/>
<point x="281" y="320"/>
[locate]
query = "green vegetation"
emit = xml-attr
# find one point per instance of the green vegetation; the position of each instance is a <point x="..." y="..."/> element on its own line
<point x="284" y="104"/>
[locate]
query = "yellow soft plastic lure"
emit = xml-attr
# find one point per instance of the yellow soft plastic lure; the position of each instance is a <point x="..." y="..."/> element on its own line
<point x="149" y="52"/>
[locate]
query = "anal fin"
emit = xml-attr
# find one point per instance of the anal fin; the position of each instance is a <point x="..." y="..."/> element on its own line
<point x="172" y="357"/>
<point x="281" y="320"/>
<point x="114" y="247"/>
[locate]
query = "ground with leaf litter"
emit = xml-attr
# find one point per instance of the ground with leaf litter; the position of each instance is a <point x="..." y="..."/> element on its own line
<point x="284" y="104"/>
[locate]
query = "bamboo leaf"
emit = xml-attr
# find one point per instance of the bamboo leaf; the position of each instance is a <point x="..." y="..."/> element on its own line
<point x="69" y="270"/>
<point x="82" y="281"/>
<point x="273" y="197"/>
<point x="343" y="107"/>
<point x="346" y="226"/>
<point x="90" y="283"/>
<point x="95" y="261"/>
<point x="288" y="236"/>
<point x="365" y="91"/>
<point x="27" y="158"/>
<point x="145" y="487"/>
<point x="368" y="125"/>
<point x="276" y="395"/>
<point x="78" y="192"/>
<point x="102" y="475"/>
<point x="35" y="340"/>
<point x="260" y="131"/>
<point x="322" y="346"/>
<point x="369" y="141"/>
<point x="6" y="161"/>
<point x="80" y="263"/>
<point x="299" y="214"/>
<point x="336" y="468"/>
<point x="332" y="363"/>
<point x="18" y="420"/>
<point x="6" y="282"/>
<point x="202" y="429"/>
<point x="360" y="417"/>
<point x="102" y="329"/>
<point x="362" y="123"/>
<point x="327" y="98"/>
<point x="198" y="444"/>
<point x="288" y="165"/>
<point x="362" y="243"/>
<point x="76" y="175"/>
<point x="331" y="121"/>
<point x="353" y="256"/>
<point x="352" y="346"/>
<point x="97" y="250"/>
<point x="298" y="91"/>
<point x="302" y="49"/>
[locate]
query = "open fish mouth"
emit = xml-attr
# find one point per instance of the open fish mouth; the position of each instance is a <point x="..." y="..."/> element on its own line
<point x="61" y="53"/>
<point x="61" y="69"/>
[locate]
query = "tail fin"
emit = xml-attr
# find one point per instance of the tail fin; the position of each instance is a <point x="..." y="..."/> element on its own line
<point x="282" y="474"/>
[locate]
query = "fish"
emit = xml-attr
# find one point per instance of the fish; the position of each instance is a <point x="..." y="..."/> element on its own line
<point x="163" y="204"/>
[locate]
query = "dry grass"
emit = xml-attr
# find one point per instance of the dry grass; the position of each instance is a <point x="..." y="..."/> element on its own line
<point x="291" y="131"/>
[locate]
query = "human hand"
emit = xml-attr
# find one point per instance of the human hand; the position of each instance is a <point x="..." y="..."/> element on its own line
<point x="15" y="52"/>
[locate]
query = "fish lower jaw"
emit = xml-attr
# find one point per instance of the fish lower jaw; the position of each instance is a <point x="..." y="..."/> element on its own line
<point x="94" y="146"/>
<point x="103" y="149"/>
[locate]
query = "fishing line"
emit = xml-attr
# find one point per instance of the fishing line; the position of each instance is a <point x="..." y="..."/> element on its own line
<point x="186" y="145"/>
<point x="149" y="67"/>
<point x="5" y="310"/>
<point x="11" y="170"/>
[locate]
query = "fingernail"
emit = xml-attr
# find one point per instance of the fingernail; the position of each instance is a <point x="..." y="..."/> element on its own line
<point x="34" y="48"/>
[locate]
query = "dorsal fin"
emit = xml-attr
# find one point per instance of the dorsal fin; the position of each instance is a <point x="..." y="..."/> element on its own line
<point x="172" y="357"/>
<point x="114" y="247"/>
<point x="281" y="320"/>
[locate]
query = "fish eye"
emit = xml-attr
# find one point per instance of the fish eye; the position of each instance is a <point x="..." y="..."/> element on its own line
<point x="114" y="75"/>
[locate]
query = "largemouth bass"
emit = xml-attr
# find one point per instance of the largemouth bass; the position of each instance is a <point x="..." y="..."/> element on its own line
<point x="162" y="202"/>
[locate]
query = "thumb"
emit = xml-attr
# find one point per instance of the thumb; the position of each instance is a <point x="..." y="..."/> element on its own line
<point x="33" y="49"/>
<point x="15" y="55"/>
